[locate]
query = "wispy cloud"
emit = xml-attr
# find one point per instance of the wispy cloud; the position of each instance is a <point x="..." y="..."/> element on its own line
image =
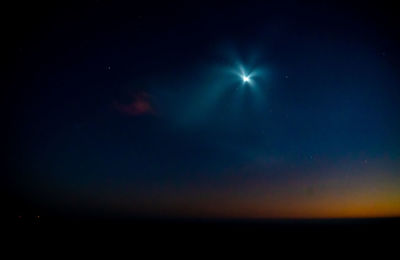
<point x="139" y="106"/>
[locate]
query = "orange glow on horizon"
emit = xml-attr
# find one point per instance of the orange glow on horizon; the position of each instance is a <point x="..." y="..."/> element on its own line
<point x="357" y="197"/>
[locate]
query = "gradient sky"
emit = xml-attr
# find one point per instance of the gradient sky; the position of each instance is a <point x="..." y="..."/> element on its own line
<point x="139" y="110"/>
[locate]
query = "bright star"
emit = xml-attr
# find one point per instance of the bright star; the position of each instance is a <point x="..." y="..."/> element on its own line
<point x="245" y="79"/>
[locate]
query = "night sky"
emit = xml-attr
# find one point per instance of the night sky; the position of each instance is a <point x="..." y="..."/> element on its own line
<point x="128" y="109"/>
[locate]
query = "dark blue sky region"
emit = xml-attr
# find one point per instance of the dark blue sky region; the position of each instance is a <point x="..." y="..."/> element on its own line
<point x="142" y="110"/>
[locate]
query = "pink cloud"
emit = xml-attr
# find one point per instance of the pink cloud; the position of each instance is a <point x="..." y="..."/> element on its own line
<point x="140" y="105"/>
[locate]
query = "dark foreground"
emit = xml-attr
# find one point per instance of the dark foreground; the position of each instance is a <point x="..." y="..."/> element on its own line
<point x="97" y="235"/>
<point x="144" y="225"/>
